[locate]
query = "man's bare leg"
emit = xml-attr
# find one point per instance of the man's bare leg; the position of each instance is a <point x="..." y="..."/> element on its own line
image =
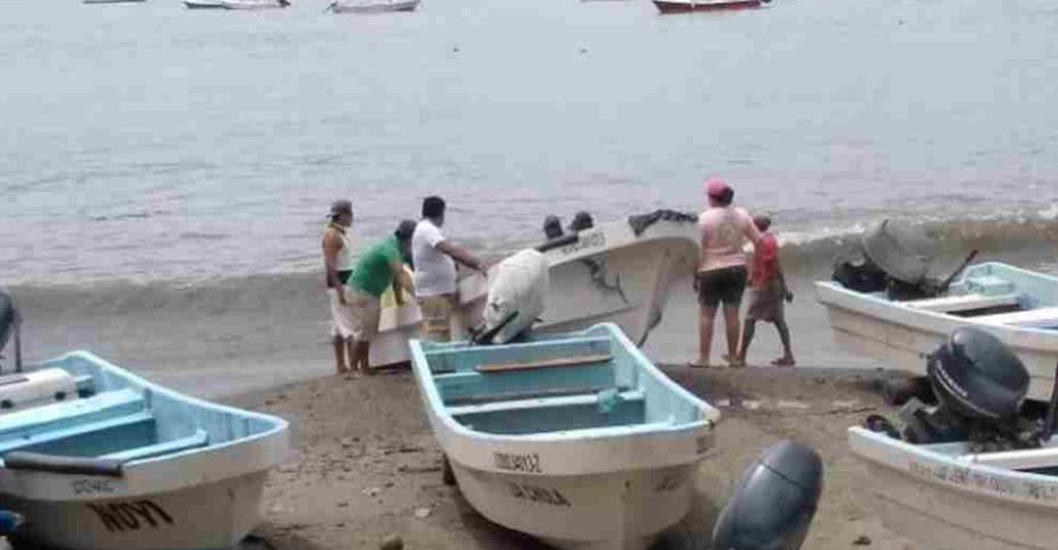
<point x="339" y="355"/>
<point x="748" y="329"/>
<point x="787" y="360"/>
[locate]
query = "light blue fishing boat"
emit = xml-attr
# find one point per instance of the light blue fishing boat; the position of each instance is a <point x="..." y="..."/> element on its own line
<point x="99" y="459"/>
<point x="575" y="438"/>
<point x="1017" y="305"/>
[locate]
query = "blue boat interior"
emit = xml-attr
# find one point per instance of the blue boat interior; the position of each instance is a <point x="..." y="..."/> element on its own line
<point x="554" y="383"/>
<point x="997" y="293"/>
<point x="120" y="418"/>
<point x="1041" y="461"/>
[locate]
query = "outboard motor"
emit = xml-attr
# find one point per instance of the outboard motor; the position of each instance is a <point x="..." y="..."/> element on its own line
<point x="518" y="288"/>
<point x="774" y="503"/>
<point x="976" y="375"/>
<point x="980" y="385"/>
<point x="859" y="274"/>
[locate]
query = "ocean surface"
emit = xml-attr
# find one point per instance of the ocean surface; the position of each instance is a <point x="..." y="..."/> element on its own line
<point x="157" y="158"/>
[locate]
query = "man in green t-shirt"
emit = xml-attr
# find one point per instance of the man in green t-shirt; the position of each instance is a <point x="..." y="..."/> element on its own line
<point x="378" y="267"/>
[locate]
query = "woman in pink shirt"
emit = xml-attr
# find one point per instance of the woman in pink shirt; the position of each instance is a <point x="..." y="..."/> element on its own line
<point x="721" y="269"/>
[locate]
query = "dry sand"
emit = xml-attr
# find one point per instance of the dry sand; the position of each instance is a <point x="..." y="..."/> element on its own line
<point x="365" y="464"/>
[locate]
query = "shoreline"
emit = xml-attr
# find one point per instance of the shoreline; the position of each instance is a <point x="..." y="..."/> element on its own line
<point x="364" y="463"/>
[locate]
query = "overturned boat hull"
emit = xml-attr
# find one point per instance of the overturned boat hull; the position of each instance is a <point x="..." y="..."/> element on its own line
<point x="379" y="7"/>
<point x="678" y="6"/>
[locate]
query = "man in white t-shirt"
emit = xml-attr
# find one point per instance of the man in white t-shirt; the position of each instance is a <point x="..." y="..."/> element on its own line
<point x="435" y="271"/>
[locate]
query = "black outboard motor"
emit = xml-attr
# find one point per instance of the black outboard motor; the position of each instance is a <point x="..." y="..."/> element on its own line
<point x="976" y="375"/>
<point x="859" y="274"/>
<point x="981" y="386"/>
<point x="774" y="503"/>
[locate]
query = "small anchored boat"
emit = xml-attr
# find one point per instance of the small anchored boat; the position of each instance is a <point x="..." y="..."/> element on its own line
<point x="574" y="438"/>
<point x="683" y="6"/>
<point x="620" y="272"/>
<point x="100" y="459"/>
<point x="384" y="6"/>
<point x="254" y="4"/>
<point x="204" y="4"/>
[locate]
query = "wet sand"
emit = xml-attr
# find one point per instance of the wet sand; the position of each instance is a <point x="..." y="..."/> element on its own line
<point x="365" y="464"/>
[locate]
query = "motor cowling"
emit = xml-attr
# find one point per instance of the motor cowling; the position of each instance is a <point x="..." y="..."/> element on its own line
<point x="774" y="503"/>
<point x="977" y="376"/>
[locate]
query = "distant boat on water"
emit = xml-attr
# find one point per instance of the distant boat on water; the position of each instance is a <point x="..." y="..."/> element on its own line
<point x="254" y="4"/>
<point x="681" y="6"/>
<point x="204" y="4"/>
<point x="376" y="6"/>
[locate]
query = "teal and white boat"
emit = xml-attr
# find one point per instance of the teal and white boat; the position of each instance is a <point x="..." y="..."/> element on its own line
<point x="574" y="438"/>
<point x="1018" y="306"/>
<point x="97" y="458"/>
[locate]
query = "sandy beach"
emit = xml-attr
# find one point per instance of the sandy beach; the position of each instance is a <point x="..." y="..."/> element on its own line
<point x="365" y="464"/>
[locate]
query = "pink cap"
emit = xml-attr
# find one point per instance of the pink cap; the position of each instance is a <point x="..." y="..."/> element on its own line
<point x="716" y="187"/>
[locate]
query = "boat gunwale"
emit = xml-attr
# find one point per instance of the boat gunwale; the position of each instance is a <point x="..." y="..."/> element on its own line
<point x="189" y="467"/>
<point x="428" y="385"/>
<point x="882" y="450"/>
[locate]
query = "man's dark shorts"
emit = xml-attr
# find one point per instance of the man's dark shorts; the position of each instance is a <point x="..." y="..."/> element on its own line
<point x="723" y="285"/>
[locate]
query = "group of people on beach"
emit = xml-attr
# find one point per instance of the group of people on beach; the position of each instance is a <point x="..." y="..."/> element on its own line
<point x="356" y="286"/>
<point x="722" y="273"/>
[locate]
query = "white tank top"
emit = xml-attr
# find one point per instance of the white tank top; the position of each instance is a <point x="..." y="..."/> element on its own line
<point x="344" y="262"/>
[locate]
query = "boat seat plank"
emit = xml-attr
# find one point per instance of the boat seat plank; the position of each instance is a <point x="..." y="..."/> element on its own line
<point x="69" y="413"/>
<point x="540" y="402"/>
<point x="1025" y="459"/>
<point x="964" y="302"/>
<point x="626" y="429"/>
<point x="1044" y="316"/>
<point x="198" y="439"/>
<point x="458" y="357"/>
<point x="568" y="361"/>
<point x="30" y="440"/>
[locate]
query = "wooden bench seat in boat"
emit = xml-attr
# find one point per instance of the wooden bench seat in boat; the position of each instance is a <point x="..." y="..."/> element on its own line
<point x="1024" y="459"/>
<point x="541" y="402"/>
<point x="1044" y="317"/>
<point x="56" y="416"/>
<point x="198" y="439"/>
<point x="965" y="302"/>
<point x="569" y="361"/>
<point x="139" y="421"/>
<point x="463" y="359"/>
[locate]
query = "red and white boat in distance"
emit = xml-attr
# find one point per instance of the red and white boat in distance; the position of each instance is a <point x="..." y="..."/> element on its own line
<point x="680" y="6"/>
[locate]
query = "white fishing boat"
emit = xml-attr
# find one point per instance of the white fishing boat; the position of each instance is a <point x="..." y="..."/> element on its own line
<point x="1018" y="306"/>
<point x="574" y="438"/>
<point x="254" y="4"/>
<point x="384" y="6"/>
<point x="944" y="497"/>
<point x="204" y="4"/>
<point x="610" y="273"/>
<point x="99" y="459"/>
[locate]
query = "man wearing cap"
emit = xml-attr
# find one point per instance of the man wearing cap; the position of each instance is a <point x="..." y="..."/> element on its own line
<point x="721" y="269"/>
<point x="435" y="270"/>
<point x="377" y="269"/>
<point x="338" y="266"/>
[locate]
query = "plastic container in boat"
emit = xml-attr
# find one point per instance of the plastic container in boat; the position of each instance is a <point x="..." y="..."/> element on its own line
<point x="31" y="389"/>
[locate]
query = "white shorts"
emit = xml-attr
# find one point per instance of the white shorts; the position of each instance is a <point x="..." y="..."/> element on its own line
<point x="358" y="319"/>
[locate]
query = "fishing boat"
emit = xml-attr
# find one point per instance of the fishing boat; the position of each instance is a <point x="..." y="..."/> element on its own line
<point x="1018" y="306"/>
<point x="204" y="4"/>
<point x="254" y="4"/>
<point x="943" y="497"/>
<point x="574" y="438"/>
<point x="375" y="6"/>
<point x="100" y="459"/>
<point x="620" y="272"/>
<point x="683" y="6"/>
